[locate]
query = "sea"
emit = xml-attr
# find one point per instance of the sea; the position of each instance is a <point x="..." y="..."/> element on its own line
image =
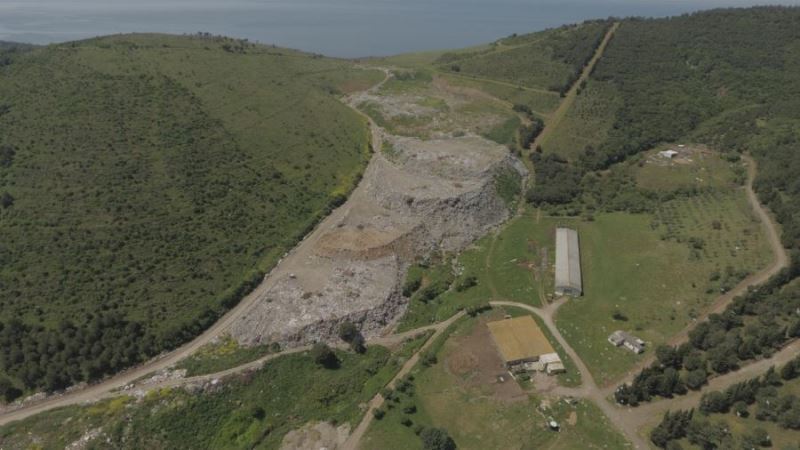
<point x="341" y="28"/>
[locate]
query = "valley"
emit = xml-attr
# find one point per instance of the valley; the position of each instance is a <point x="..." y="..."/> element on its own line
<point x="371" y="332"/>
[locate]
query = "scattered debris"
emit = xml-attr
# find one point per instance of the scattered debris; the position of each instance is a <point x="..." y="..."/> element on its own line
<point x="320" y="435"/>
<point x="83" y="442"/>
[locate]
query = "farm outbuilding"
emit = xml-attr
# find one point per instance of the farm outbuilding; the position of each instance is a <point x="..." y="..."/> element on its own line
<point x="523" y="345"/>
<point x="620" y="338"/>
<point x="568" y="263"/>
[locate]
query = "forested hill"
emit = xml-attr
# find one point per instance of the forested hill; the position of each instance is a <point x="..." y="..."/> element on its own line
<point x="147" y="182"/>
<point x="729" y="78"/>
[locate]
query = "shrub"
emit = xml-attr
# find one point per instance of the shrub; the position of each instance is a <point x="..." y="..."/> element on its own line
<point x="619" y="316"/>
<point x="378" y="413"/>
<point x="8" y="391"/>
<point x="324" y="356"/>
<point x="6" y="200"/>
<point x="348" y="331"/>
<point x="436" y="439"/>
<point x="467" y="283"/>
<point x="429" y="359"/>
<point x="6" y="155"/>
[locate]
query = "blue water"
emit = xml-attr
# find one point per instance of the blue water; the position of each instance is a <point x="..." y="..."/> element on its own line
<point x="345" y="28"/>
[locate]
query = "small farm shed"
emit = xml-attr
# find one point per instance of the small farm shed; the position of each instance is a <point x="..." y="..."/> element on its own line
<point x="620" y="338"/>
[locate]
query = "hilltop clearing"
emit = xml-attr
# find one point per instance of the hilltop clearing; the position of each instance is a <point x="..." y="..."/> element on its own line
<point x="148" y="182"/>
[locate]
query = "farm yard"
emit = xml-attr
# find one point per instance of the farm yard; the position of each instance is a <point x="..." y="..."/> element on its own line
<point x="463" y="392"/>
<point x="649" y="274"/>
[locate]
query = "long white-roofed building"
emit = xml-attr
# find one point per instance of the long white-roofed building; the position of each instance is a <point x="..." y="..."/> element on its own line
<point x="568" y="263"/>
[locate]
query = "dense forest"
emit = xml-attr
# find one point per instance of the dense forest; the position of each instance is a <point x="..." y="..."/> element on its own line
<point x="139" y="200"/>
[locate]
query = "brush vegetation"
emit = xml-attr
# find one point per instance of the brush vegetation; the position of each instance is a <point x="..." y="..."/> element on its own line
<point x="147" y="183"/>
<point x="245" y="411"/>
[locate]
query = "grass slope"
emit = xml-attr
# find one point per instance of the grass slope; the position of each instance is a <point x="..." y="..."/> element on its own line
<point x="546" y="60"/>
<point x="154" y="179"/>
<point x="247" y="411"/>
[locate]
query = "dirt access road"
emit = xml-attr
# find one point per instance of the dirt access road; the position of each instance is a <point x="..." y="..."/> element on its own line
<point x="558" y="115"/>
<point x="105" y="388"/>
<point x="355" y="437"/>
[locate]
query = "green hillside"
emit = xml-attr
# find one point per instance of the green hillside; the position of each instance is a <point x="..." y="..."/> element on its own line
<point x="148" y="181"/>
<point x="727" y="78"/>
<point x="548" y="60"/>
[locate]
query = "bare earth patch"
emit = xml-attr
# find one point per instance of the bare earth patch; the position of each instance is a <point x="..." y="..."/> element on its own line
<point x="475" y="362"/>
<point x="320" y="435"/>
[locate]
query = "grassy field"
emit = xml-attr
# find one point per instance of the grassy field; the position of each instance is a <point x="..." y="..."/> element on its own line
<point x="446" y="395"/>
<point x="542" y="103"/>
<point x="586" y="123"/>
<point x="154" y="179"/>
<point x="699" y="169"/>
<point x="249" y="411"/>
<point x="515" y="264"/>
<point x="651" y="272"/>
<point x="225" y="354"/>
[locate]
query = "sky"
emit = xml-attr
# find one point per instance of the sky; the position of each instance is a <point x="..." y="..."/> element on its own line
<point x="345" y="28"/>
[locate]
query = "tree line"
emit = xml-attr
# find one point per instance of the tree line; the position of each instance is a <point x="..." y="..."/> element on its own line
<point x="760" y="396"/>
<point x="753" y="326"/>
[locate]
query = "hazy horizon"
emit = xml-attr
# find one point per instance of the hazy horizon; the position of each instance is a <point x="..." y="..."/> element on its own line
<point x="344" y="28"/>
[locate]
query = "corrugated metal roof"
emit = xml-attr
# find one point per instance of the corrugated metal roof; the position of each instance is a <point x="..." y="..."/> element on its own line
<point x="568" y="262"/>
<point x="519" y="338"/>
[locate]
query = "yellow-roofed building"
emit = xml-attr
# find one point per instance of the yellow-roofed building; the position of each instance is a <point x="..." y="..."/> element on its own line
<point x="521" y="341"/>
